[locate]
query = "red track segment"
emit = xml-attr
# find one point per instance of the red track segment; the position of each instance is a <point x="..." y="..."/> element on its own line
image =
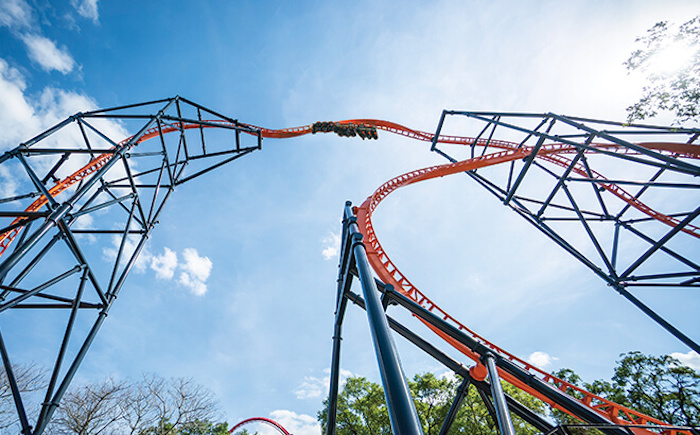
<point x="261" y="420"/>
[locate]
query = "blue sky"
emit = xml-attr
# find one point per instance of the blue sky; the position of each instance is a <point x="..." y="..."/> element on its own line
<point x="243" y="302"/>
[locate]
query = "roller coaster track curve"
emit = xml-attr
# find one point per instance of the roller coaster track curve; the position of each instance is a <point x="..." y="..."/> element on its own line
<point x="389" y="273"/>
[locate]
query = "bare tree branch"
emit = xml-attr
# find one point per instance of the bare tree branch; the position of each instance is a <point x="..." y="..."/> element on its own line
<point x="151" y="406"/>
<point x="30" y="378"/>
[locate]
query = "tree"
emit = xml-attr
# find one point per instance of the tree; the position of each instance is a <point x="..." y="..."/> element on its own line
<point x="30" y="378"/>
<point x="660" y="387"/>
<point x="205" y="428"/>
<point x="362" y="408"/>
<point x="93" y="409"/>
<point x="177" y="404"/>
<point x="151" y="406"/>
<point x="199" y="427"/>
<point x="669" y="57"/>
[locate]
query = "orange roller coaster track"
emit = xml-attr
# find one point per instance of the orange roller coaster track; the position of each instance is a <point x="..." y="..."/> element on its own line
<point x="572" y="151"/>
<point x="389" y="273"/>
<point x="549" y="153"/>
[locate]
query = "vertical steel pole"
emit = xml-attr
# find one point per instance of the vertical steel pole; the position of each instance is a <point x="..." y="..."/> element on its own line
<point x="402" y="411"/>
<point x="9" y="372"/>
<point x="436" y="138"/>
<point x="499" y="399"/>
<point x="335" y="367"/>
<point x="462" y="391"/>
<point x="344" y="282"/>
<point x="62" y="352"/>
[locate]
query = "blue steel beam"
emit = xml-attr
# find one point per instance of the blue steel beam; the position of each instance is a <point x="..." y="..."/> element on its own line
<point x="402" y="411"/>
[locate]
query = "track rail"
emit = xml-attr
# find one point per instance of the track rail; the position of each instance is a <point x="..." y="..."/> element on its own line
<point x="551" y="152"/>
<point x="264" y="420"/>
<point x="555" y="153"/>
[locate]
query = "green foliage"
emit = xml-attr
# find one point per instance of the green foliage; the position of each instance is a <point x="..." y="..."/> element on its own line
<point x="657" y="386"/>
<point x="205" y="427"/>
<point x="431" y="394"/>
<point x="362" y="409"/>
<point x="669" y="57"/>
<point x="660" y="387"/>
<point x="197" y="427"/>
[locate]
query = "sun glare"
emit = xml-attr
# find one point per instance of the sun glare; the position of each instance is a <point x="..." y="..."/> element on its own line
<point x="671" y="58"/>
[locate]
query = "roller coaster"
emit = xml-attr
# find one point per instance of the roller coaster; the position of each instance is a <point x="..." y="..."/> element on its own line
<point x="619" y="198"/>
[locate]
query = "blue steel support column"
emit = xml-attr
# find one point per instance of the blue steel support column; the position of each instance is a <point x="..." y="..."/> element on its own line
<point x="402" y="411"/>
<point x="335" y="368"/>
<point x="344" y="283"/>
<point x="499" y="399"/>
<point x="462" y="391"/>
<point x="22" y="414"/>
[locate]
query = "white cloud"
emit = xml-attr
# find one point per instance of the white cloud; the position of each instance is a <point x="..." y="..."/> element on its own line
<point x="690" y="359"/>
<point x="198" y="288"/>
<point x="87" y="9"/>
<point x="164" y="264"/>
<point x="196" y="271"/>
<point x="17" y="115"/>
<point x="331" y="245"/>
<point x="15" y="13"/>
<point x="298" y="424"/>
<point x="22" y="117"/>
<point x="449" y="375"/>
<point x="313" y="387"/>
<point x="45" y="52"/>
<point x="198" y="267"/>
<point x="8" y="186"/>
<point x="540" y="359"/>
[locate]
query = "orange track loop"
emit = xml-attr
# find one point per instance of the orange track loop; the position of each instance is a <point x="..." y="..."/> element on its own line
<point x="390" y="274"/>
<point x="381" y="263"/>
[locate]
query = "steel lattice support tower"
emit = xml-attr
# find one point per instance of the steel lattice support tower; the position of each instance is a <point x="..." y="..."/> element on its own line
<point x="614" y="201"/>
<point x="80" y="179"/>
